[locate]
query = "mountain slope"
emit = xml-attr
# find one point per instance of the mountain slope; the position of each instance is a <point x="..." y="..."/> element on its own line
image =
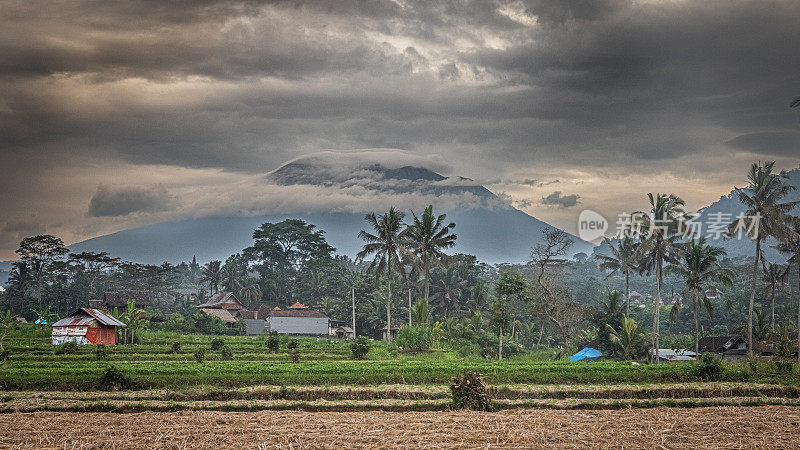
<point x="730" y="206"/>
<point x="487" y="227"/>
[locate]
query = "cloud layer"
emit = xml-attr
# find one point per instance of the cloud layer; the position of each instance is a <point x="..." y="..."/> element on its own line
<point x="631" y="95"/>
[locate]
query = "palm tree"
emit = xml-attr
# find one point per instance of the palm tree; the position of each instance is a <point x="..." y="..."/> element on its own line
<point x="765" y="216"/>
<point x="249" y="291"/>
<point x="699" y="266"/>
<point x="386" y="245"/>
<point x="625" y="259"/>
<point x="663" y="223"/>
<point x="774" y="276"/>
<point x="448" y="289"/>
<point x="426" y="237"/>
<point x="628" y="339"/>
<point x="791" y="245"/>
<point x="212" y="273"/>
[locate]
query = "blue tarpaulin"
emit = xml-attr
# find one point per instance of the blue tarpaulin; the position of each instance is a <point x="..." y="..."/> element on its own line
<point x="586" y="353"/>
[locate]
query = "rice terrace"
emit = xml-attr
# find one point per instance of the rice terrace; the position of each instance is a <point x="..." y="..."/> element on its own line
<point x="400" y="224"/>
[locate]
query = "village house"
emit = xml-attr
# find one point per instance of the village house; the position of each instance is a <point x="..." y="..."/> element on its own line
<point x="86" y="326"/>
<point x="119" y="300"/>
<point x="732" y="347"/>
<point x="342" y="331"/>
<point x="226" y="306"/>
<point x="395" y="328"/>
<point x="299" y="319"/>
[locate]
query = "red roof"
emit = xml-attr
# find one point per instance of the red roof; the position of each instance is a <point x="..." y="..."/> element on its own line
<point x="276" y="308"/>
<point x="298" y="305"/>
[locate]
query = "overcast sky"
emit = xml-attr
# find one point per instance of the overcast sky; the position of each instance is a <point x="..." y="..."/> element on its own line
<point x="118" y="114"/>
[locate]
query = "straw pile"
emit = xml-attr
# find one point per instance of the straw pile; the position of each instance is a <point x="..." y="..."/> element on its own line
<point x="721" y="427"/>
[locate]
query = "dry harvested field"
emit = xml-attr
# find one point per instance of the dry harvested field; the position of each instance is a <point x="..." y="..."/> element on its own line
<point x="717" y="427"/>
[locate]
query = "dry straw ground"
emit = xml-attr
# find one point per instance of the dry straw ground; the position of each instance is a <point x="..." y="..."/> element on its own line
<point x="719" y="427"/>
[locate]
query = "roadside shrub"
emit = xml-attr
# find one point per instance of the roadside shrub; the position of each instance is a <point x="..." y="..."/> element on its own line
<point x="468" y="391"/>
<point x="101" y="352"/>
<point x="114" y="380"/>
<point x="200" y="355"/>
<point x="217" y="344"/>
<point x="294" y="355"/>
<point x="709" y="368"/>
<point x="226" y="352"/>
<point x="294" y="343"/>
<point x="176" y="348"/>
<point x="752" y="363"/>
<point x="68" y="348"/>
<point x="273" y="342"/>
<point x="360" y="347"/>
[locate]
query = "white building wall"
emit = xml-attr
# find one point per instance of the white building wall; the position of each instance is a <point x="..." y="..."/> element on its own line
<point x="316" y="326"/>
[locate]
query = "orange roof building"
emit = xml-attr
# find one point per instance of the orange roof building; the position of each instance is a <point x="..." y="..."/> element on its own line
<point x="298" y="305"/>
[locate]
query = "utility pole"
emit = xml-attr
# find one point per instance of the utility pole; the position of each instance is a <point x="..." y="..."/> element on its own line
<point x="353" y="293"/>
<point x="409" y="306"/>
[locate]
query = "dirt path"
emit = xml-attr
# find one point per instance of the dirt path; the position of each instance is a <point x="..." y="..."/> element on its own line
<point x="720" y="427"/>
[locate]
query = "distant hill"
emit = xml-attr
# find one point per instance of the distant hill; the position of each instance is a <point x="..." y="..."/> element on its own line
<point x="730" y="204"/>
<point x="486" y="228"/>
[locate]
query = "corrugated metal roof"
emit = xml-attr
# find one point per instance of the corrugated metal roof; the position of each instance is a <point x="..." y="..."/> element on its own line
<point x="102" y="317"/>
<point x="85" y="316"/>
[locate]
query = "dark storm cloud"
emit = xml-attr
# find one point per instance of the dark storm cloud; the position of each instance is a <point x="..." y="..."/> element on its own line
<point x="558" y="199"/>
<point x="121" y="201"/>
<point x="495" y="87"/>
<point x="771" y="143"/>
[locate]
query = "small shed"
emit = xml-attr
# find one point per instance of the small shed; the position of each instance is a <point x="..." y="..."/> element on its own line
<point x="86" y="326"/>
<point x="343" y="332"/>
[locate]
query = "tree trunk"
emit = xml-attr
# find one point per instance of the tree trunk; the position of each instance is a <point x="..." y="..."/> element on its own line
<point x="628" y="294"/>
<point x="427" y="284"/>
<point x="696" y="326"/>
<point x="657" y="313"/>
<point x="409" y="306"/>
<point x="752" y="299"/>
<point x="772" y="321"/>
<point x="389" y="314"/>
<point x="797" y="257"/>
<point x="500" y="350"/>
<point x="353" y="293"/>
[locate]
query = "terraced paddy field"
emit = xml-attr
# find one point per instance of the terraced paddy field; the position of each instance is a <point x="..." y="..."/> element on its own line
<point x="697" y="428"/>
<point x="401" y="397"/>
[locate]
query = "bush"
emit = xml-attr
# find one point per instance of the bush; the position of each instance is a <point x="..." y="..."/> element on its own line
<point x="470" y="392"/>
<point x="415" y="339"/>
<point x="784" y="366"/>
<point x="294" y="343"/>
<point x="114" y="380"/>
<point x="217" y="344"/>
<point x="68" y="348"/>
<point x="294" y="355"/>
<point x="709" y="368"/>
<point x="176" y="348"/>
<point x="360" y="347"/>
<point x="226" y="352"/>
<point x="273" y="342"/>
<point x="101" y="352"/>
<point x="200" y="355"/>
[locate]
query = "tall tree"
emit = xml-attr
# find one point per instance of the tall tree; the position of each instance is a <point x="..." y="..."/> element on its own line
<point x="39" y="252"/>
<point x="387" y="245"/>
<point x="551" y="299"/>
<point x="699" y="266"/>
<point x="93" y="264"/>
<point x="790" y="245"/>
<point x="624" y="259"/>
<point x="774" y="276"/>
<point x="765" y="216"/>
<point x="280" y="253"/>
<point x="628" y="339"/>
<point x="212" y="273"/>
<point x="663" y="225"/>
<point x="427" y="236"/>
